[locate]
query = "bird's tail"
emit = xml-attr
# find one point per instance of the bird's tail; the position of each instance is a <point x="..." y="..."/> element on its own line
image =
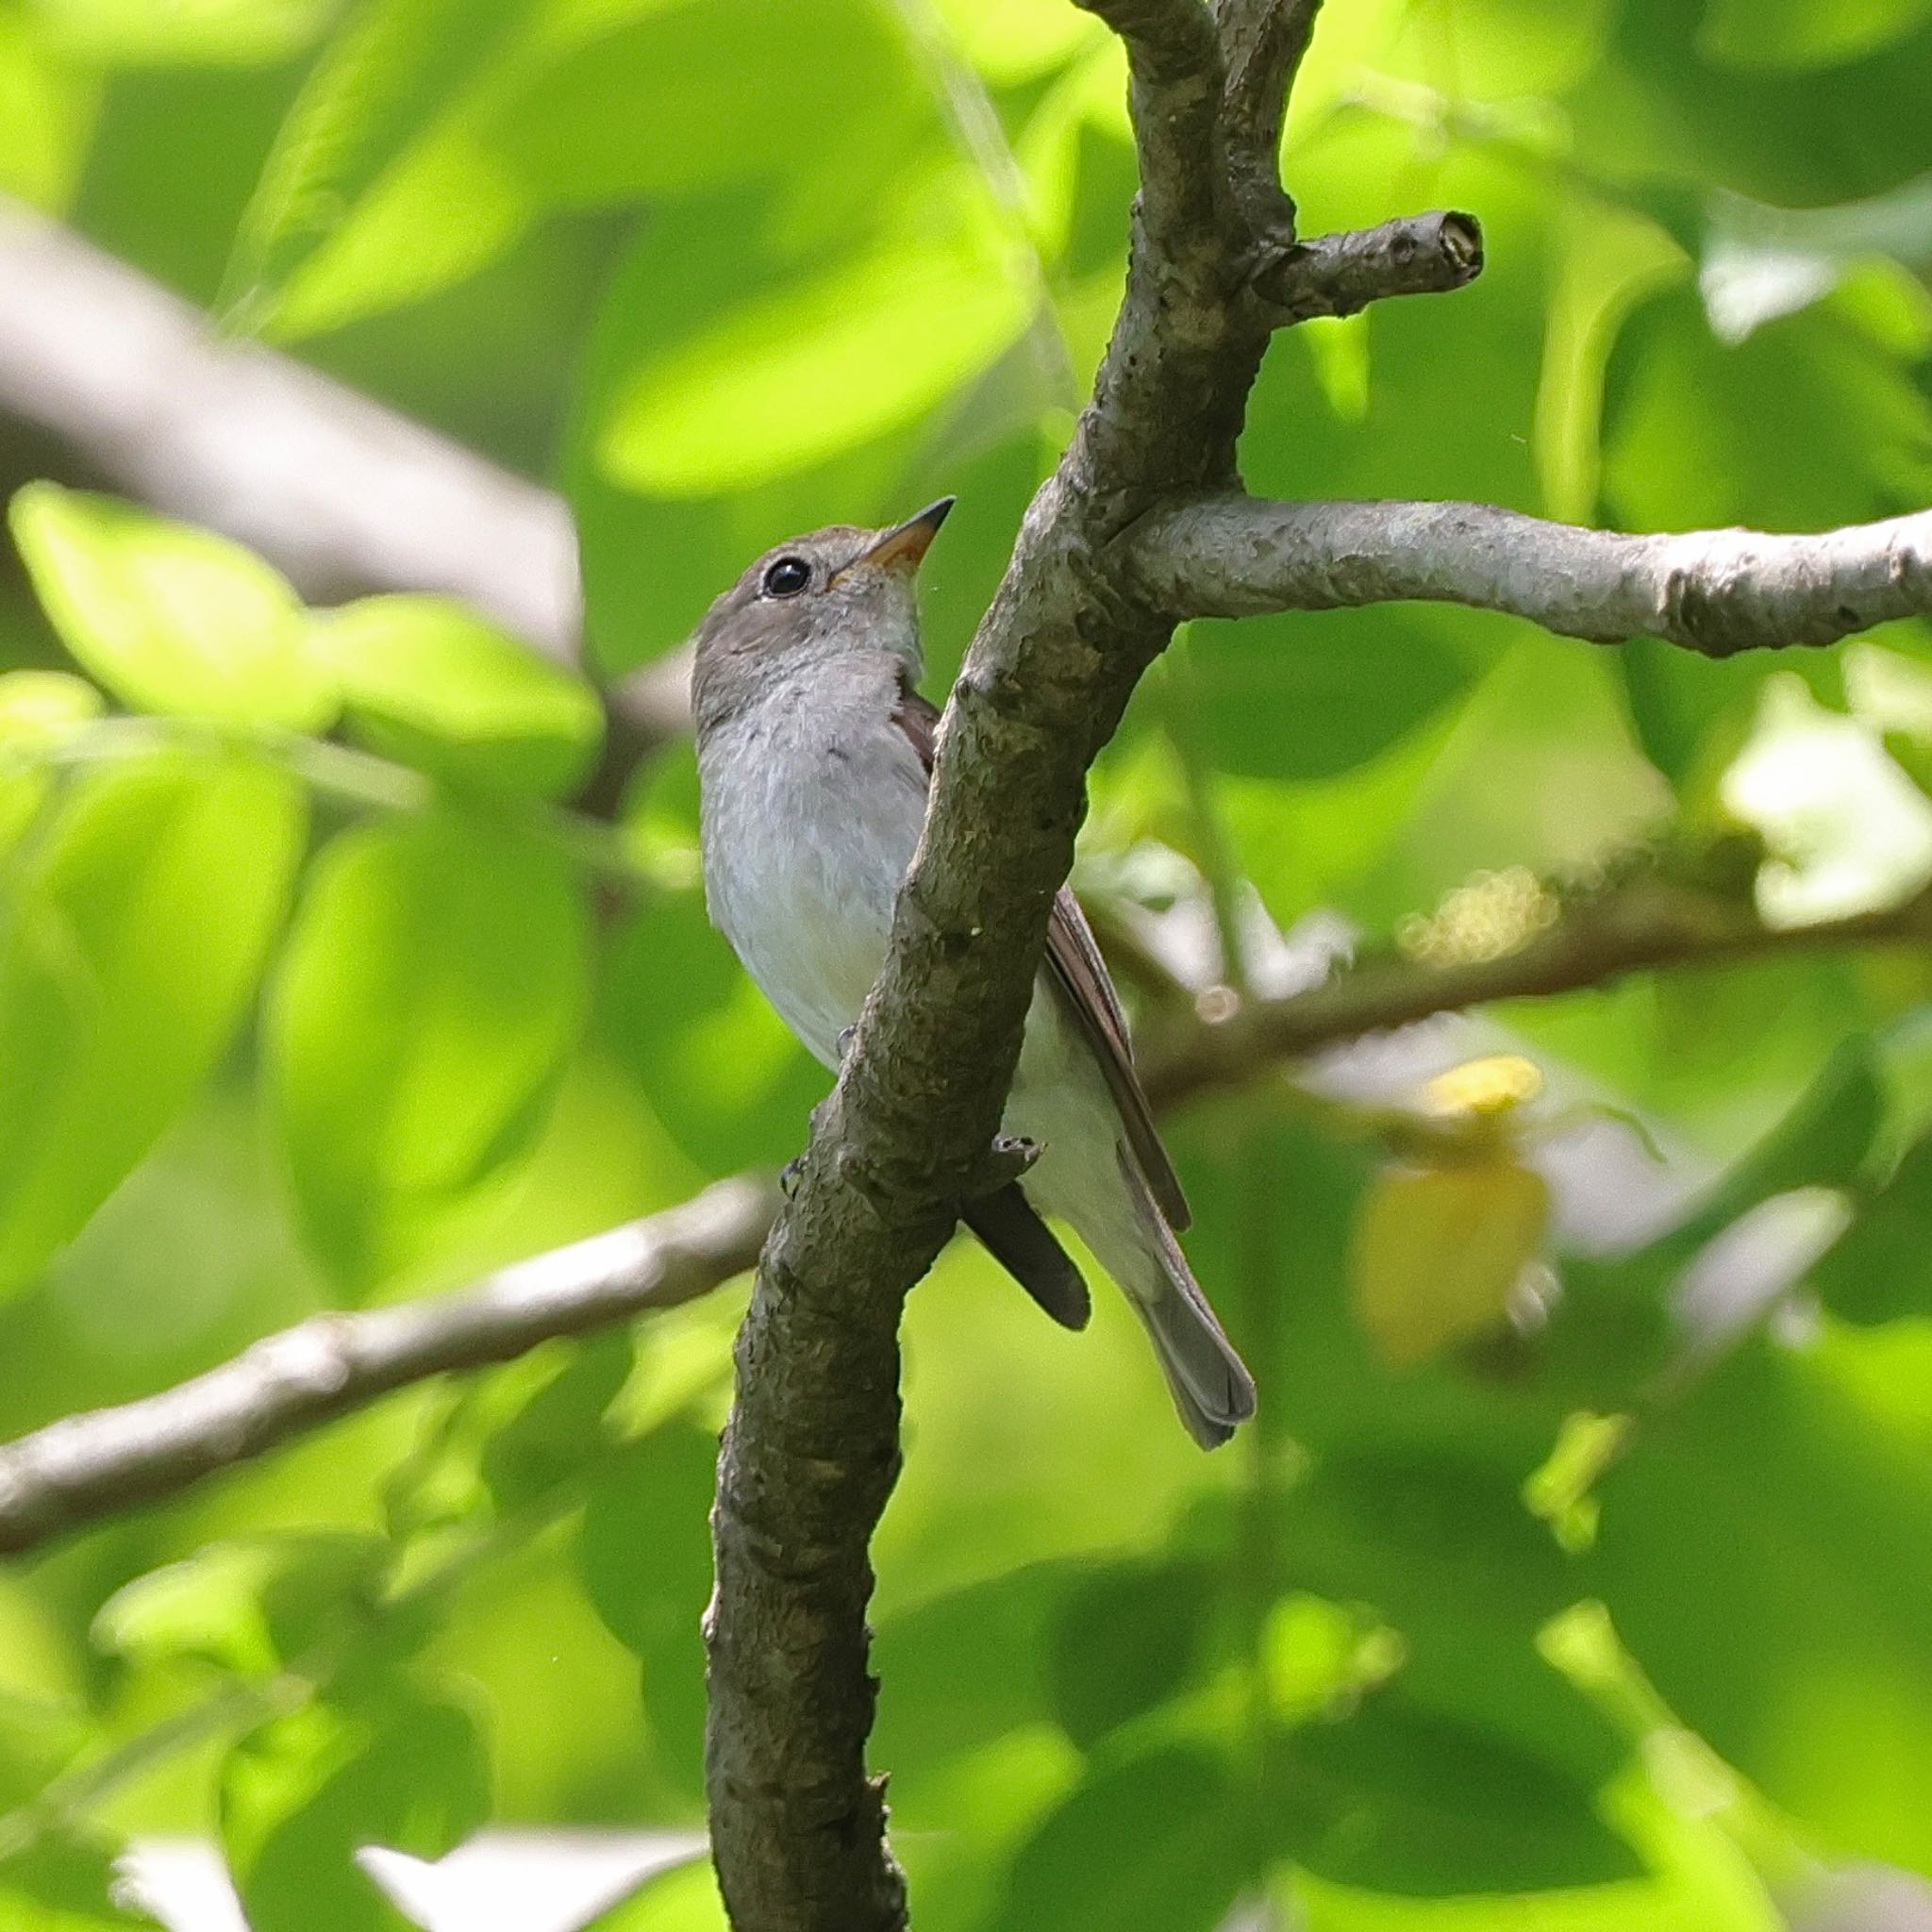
<point x="1209" y="1382"/>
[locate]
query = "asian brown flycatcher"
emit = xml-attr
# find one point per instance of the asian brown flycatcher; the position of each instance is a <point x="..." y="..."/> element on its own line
<point x="815" y="754"/>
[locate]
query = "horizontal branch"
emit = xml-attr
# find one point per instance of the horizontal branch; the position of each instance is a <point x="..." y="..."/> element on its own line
<point x="1713" y="592"/>
<point x="1341" y="274"/>
<point x="88" y="1466"/>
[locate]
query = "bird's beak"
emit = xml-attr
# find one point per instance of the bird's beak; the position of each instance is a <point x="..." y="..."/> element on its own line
<point x="904" y="544"/>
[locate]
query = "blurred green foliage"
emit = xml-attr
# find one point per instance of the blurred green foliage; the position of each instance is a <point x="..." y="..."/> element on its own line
<point x="291" y="1020"/>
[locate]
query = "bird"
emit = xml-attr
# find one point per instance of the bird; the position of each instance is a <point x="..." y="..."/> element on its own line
<point x="815" y="755"/>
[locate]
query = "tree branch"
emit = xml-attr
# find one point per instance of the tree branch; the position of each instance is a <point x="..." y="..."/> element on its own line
<point x="1632" y="929"/>
<point x="1341" y="274"/>
<point x="1265" y="41"/>
<point x="811" y="1449"/>
<point x="1713" y="592"/>
<point x="88" y="1466"/>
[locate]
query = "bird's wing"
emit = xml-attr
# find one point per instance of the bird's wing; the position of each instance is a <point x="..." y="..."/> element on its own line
<point x="1086" y="989"/>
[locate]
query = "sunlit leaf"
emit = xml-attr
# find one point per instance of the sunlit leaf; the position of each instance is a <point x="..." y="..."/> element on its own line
<point x="247" y="1605"/>
<point x="38" y="711"/>
<point x="168" y="617"/>
<point x="39" y="707"/>
<point x="427" y="681"/>
<point x="161" y="33"/>
<point x="430" y="138"/>
<point x="63" y="1883"/>
<point x="48" y="107"/>
<point x="387" y="72"/>
<point x="852" y="347"/>
<point x="39" y="1738"/>
<point x="137" y="928"/>
<point x="1010" y="41"/>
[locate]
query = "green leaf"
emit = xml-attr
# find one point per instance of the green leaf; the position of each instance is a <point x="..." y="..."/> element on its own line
<point x="1311" y="695"/>
<point x="432" y="136"/>
<point x="39" y="1738"/>
<point x="386" y="73"/>
<point x="645" y="1556"/>
<point x="301" y="1794"/>
<point x="1403" y="1800"/>
<point x="196" y="33"/>
<point x="1797" y="34"/>
<point x="435" y="979"/>
<point x="554" y="1435"/>
<point x="138" y="928"/>
<point x="1014" y="41"/>
<point x="1127" y="1638"/>
<point x="48" y="107"/>
<point x="1154" y="1845"/>
<point x="38" y="710"/>
<point x="966" y="1667"/>
<point x="1823" y="1140"/>
<point x="427" y="681"/>
<point x="719" y="1069"/>
<point x="1881" y="1267"/>
<point x="874" y="337"/>
<point x="1762" y="1550"/>
<point x="248" y="1606"/>
<point x="170" y="618"/>
<point x="697" y="78"/>
<point x="44" y="707"/>
<point x="1440" y="1544"/>
<point x="61" y="1884"/>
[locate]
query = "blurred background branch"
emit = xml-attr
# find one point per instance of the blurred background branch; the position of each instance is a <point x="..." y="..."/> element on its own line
<point x="85" y="1467"/>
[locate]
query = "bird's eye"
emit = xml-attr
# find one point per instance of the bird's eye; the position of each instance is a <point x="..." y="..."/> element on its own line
<point x="787" y="578"/>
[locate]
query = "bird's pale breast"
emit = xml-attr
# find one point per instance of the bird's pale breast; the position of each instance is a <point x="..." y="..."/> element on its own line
<point x="806" y="846"/>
